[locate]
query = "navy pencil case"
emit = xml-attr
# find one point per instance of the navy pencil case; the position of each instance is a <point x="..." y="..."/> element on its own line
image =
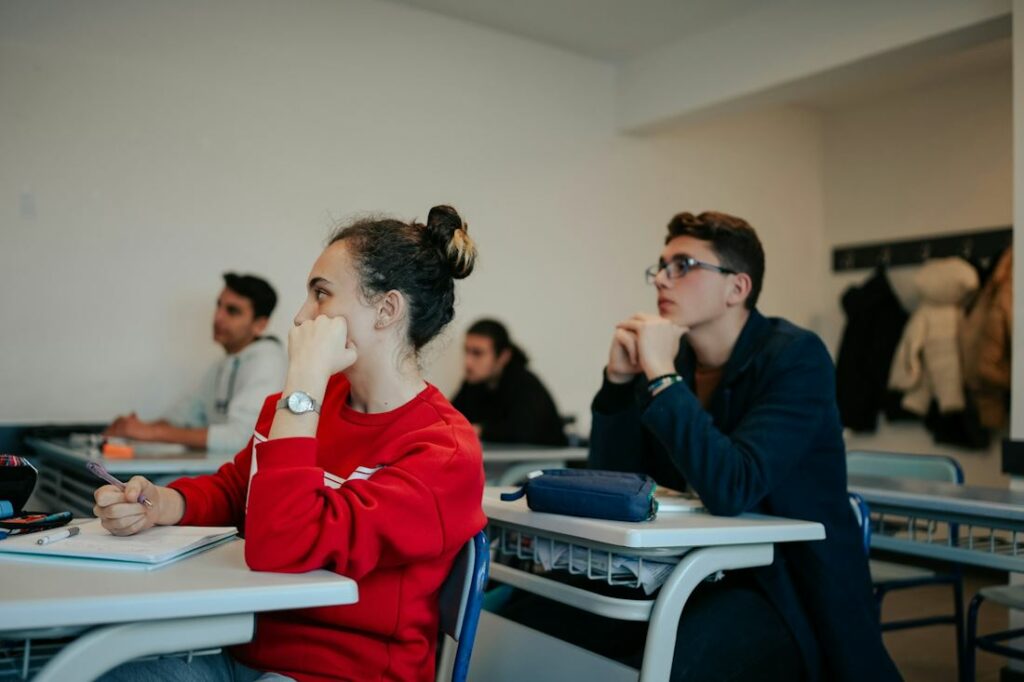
<point x="612" y="495"/>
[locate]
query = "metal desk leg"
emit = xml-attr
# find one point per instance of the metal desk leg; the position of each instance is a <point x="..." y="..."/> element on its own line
<point x="686" y="576"/>
<point x="107" y="647"/>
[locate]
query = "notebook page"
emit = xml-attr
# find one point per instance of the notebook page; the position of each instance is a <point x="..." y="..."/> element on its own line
<point x="154" y="545"/>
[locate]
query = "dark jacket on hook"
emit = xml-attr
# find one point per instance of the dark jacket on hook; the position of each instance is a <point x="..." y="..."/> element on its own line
<point x="874" y="324"/>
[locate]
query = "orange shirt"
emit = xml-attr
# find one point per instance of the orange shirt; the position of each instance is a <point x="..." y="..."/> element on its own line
<point x="706" y="381"/>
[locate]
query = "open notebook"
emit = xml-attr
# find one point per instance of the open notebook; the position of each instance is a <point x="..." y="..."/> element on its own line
<point x="674" y="501"/>
<point x="151" y="548"/>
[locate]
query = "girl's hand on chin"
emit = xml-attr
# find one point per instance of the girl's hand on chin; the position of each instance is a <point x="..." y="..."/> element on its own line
<point x="320" y="347"/>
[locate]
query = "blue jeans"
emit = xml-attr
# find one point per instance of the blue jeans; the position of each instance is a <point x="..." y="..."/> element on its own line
<point x="212" y="668"/>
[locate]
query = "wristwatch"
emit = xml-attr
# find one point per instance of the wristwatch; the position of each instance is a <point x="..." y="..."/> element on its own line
<point x="298" y="402"/>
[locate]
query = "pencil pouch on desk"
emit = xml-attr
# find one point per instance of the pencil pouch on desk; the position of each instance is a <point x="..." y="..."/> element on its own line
<point x="612" y="495"/>
<point x="33" y="522"/>
<point x="17" y="481"/>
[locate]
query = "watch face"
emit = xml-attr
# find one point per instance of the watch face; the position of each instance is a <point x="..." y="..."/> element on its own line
<point x="299" y="402"/>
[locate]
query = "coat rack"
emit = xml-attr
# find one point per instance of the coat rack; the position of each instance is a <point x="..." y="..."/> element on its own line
<point x="982" y="245"/>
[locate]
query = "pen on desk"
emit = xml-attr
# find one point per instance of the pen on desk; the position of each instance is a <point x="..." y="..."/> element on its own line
<point x="101" y="471"/>
<point x="59" y="535"/>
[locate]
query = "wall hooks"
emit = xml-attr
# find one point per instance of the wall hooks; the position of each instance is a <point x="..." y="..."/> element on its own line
<point x="981" y="245"/>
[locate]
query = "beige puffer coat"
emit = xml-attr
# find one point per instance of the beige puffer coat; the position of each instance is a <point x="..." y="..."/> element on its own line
<point x="926" y="364"/>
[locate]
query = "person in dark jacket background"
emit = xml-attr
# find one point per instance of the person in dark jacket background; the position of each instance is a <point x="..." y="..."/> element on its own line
<point x="500" y="396"/>
<point x="741" y="408"/>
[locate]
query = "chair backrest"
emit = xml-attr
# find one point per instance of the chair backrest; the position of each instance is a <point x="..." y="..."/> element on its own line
<point x="863" y="515"/>
<point x="461" y="601"/>
<point x="904" y="465"/>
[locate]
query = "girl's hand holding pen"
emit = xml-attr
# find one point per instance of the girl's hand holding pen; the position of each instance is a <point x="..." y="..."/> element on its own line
<point x="120" y="511"/>
<point x="101" y="471"/>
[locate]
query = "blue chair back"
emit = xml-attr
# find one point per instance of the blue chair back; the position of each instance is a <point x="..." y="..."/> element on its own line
<point x="903" y="465"/>
<point x="863" y="516"/>
<point x="461" y="601"/>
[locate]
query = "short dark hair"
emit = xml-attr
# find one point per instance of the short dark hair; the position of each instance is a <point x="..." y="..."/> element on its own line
<point x="732" y="239"/>
<point x="257" y="290"/>
<point x="420" y="260"/>
<point x="498" y="335"/>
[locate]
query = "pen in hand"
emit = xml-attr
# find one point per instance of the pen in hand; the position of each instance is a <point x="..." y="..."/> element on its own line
<point x="101" y="471"/>
<point x="59" y="535"/>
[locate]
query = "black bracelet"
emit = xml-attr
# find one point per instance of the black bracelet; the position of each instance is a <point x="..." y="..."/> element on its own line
<point x="663" y="376"/>
<point x="663" y="382"/>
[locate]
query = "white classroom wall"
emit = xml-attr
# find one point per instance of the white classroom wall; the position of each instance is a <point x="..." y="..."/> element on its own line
<point x="148" y="146"/>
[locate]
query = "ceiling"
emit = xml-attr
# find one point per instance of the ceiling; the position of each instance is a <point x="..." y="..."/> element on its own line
<point x="617" y="30"/>
<point x="609" y="30"/>
<point x="872" y="79"/>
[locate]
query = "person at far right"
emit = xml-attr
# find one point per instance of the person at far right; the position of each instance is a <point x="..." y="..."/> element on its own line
<point x="711" y="395"/>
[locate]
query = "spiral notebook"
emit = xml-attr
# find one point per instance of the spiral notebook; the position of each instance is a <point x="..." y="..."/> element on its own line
<point x="152" y="548"/>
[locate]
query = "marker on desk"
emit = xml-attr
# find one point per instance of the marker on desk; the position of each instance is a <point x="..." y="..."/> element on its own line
<point x="101" y="471"/>
<point x="59" y="535"/>
<point x="62" y="516"/>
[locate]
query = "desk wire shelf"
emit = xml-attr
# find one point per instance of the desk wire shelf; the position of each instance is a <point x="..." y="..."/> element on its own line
<point x="610" y="567"/>
<point x="21" y="659"/>
<point x="1005" y="540"/>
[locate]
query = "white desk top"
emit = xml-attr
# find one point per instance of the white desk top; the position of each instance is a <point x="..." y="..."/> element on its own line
<point x="989" y="503"/>
<point x="53" y="593"/>
<point x="495" y="452"/>
<point x="198" y="462"/>
<point x="192" y="462"/>
<point x="668" y="530"/>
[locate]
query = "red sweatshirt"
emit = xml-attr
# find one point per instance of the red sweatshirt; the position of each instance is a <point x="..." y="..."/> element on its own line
<point x="386" y="499"/>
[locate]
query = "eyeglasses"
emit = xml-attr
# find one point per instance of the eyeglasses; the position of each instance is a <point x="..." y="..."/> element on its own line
<point x="678" y="267"/>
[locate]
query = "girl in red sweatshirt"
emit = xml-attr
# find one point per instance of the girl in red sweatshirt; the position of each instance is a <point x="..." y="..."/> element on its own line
<point x="359" y="466"/>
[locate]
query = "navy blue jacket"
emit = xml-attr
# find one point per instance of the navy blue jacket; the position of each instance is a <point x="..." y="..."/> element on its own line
<point x="770" y="442"/>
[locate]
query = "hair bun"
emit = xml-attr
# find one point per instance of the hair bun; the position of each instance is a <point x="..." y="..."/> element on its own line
<point x="446" y="229"/>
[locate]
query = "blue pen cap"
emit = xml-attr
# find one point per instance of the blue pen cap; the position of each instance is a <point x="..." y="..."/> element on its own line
<point x="6" y="509"/>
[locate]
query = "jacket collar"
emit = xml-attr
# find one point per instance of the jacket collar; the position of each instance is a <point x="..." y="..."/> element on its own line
<point x="742" y="353"/>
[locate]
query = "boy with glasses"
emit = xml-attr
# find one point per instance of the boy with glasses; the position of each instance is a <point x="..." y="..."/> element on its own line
<point x="710" y="394"/>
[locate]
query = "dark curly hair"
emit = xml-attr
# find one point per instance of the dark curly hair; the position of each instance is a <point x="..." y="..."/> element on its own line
<point x="421" y="261"/>
<point x="257" y="290"/>
<point x="732" y="239"/>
